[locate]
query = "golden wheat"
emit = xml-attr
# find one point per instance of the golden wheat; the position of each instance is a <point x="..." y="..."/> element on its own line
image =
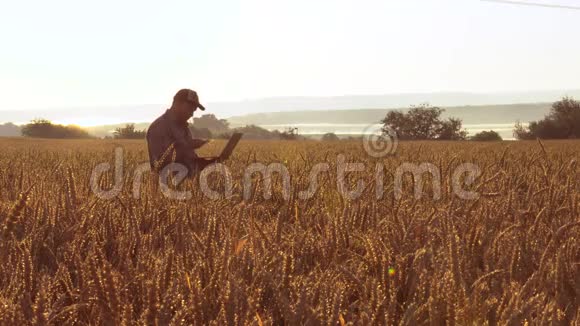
<point x="509" y="257"/>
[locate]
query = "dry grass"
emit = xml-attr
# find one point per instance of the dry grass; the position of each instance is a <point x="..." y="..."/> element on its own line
<point x="511" y="256"/>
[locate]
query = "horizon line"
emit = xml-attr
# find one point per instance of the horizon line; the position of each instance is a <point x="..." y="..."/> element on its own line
<point x="502" y="92"/>
<point x="136" y="122"/>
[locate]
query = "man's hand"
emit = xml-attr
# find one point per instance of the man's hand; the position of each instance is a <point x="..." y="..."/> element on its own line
<point x="197" y="143"/>
<point x="202" y="162"/>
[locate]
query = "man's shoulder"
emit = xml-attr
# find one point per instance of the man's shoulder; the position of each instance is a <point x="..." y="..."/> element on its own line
<point x="161" y="120"/>
<point x="158" y="124"/>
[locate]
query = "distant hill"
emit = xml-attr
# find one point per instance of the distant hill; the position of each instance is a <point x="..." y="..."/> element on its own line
<point x="276" y="113"/>
<point x="445" y="99"/>
<point x="145" y="113"/>
<point x="475" y="117"/>
<point x="484" y="117"/>
<point x="9" y="130"/>
<point x="476" y="114"/>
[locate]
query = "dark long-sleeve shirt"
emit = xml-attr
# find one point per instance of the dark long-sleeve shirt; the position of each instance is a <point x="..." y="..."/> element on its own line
<point x="167" y="131"/>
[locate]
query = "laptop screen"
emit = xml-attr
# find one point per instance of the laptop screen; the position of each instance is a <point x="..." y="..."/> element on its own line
<point x="231" y="145"/>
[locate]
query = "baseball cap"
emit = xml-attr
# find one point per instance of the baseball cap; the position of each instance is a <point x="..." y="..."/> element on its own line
<point x="188" y="95"/>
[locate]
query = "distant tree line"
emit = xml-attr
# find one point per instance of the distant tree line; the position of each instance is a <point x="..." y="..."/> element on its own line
<point x="206" y="126"/>
<point x="423" y="122"/>
<point x="486" y="136"/>
<point x="42" y="128"/>
<point x="210" y="123"/>
<point x="562" y="122"/>
<point x="129" y="132"/>
<point x="209" y="126"/>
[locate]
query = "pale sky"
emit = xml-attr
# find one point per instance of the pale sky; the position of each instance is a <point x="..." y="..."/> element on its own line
<point x="57" y="53"/>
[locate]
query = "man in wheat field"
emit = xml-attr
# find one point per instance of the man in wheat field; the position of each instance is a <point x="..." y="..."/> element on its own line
<point x="169" y="139"/>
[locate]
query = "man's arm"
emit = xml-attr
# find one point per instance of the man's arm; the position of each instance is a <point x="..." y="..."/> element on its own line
<point x="184" y="144"/>
<point x="197" y="143"/>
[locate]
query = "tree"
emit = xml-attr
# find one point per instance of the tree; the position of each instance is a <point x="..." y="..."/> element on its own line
<point x="129" y="132"/>
<point x="42" y="128"/>
<point x="562" y="122"/>
<point x="216" y="126"/>
<point x="9" y="130"/>
<point x="291" y="133"/>
<point x="486" y="136"/>
<point x="203" y="133"/>
<point x="330" y="137"/>
<point x="566" y="115"/>
<point x="39" y="128"/>
<point x="521" y="132"/>
<point x="256" y="132"/>
<point x="452" y="130"/>
<point x="421" y="123"/>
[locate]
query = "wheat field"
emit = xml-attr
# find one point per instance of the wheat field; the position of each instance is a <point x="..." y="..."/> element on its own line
<point x="510" y="257"/>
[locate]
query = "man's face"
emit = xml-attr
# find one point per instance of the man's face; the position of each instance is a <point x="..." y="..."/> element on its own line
<point x="185" y="110"/>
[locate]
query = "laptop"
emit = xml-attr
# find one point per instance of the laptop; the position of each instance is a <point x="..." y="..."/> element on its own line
<point x="230" y="146"/>
<point x="202" y="162"/>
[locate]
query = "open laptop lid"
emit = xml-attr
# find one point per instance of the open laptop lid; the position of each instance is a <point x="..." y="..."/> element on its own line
<point x="230" y="146"/>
